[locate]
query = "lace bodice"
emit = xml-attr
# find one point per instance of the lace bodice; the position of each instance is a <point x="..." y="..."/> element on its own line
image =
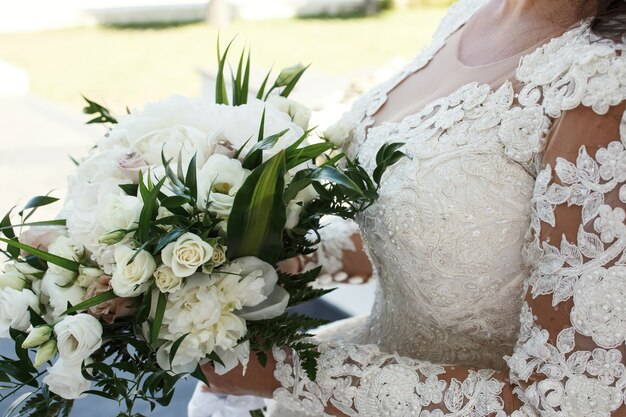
<point x="498" y="211"/>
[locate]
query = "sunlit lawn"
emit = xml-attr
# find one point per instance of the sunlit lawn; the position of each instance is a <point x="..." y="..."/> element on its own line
<point x="127" y="66"/>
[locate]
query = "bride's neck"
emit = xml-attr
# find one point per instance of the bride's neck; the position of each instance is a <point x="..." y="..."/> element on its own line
<point x="561" y="12"/>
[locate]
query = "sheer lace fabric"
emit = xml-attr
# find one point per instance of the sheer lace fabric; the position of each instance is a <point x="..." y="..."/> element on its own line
<point x="513" y="201"/>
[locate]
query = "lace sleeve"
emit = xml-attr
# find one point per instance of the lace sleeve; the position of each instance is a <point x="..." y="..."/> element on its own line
<point x="340" y="253"/>
<point x="569" y="358"/>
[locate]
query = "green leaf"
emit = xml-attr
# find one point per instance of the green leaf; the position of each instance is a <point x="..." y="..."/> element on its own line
<point x="130" y="189"/>
<point x="7" y="228"/>
<point x="175" y="346"/>
<point x="98" y="299"/>
<point x="148" y="212"/>
<point x="15" y="404"/>
<point x="221" y="96"/>
<point x="258" y="216"/>
<point x="259" y="95"/>
<point x="298" y="156"/>
<point x="38" y="201"/>
<point x="245" y="84"/>
<point x="59" y="222"/>
<point x="387" y="155"/>
<point x="158" y="319"/>
<point x="200" y="376"/>
<point x="168" y="238"/>
<point x="255" y="155"/>
<point x="104" y="116"/>
<point x="191" y="181"/>
<point x="68" y="264"/>
<point x="174" y="201"/>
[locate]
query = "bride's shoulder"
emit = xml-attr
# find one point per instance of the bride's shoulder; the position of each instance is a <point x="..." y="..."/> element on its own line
<point x="576" y="68"/>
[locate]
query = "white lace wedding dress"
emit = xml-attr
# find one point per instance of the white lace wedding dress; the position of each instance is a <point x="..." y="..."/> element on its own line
<point x="513" y="201"/>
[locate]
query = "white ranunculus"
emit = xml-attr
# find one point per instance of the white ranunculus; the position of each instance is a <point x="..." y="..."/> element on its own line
<point x="337" y="133"/>
<point x="14" y="310"/>
<point x="220" y="178"/>
<point x="12" y="278"/>
<point x="78" y="336"/>
<point x="187" y="254"/>
<point x="298" y="113"/>
<point x="131" y="279"/>
<point x="118" y="211"/>
<point x="56" y="295"/>
<point x="67" y="380"/>
<point x="166" y="280"/>
<point x="87" y="275"/>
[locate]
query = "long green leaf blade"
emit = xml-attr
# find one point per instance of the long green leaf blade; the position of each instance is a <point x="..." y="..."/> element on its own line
<point x="158" y="319"/>
<point x="258" y="216"/>
<point x="93" y="301"/>
<point x="68" y="264"/>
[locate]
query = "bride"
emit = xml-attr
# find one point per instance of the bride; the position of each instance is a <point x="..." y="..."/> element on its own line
<point x="513" y="201"/>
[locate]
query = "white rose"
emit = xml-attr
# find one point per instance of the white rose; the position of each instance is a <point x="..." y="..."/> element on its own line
<point x="337" y="133"/>
<point x="12" y="278"/>
<point x="87" y="275"/>
<point x="131" y="279"/>
<point x="56" y="295"/>
<point x="220" y="178"/>
<point x="67" y="380"/>
<point x="78" y="337"/>
<point x="298" y="113"/>
<point x="14" y="310"/>
<point x="118" y="211"/>
<point x="187" y="254"/>
<point x="166" y="280"/>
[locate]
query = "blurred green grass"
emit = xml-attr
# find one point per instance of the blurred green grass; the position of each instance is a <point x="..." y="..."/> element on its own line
<point x="129" y="65"/>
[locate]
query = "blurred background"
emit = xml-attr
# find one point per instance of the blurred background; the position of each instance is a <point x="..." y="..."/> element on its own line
<point x="123" y="53"/>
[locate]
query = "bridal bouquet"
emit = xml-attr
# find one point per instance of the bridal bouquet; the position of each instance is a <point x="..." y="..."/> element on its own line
<point x="164" y="256"/>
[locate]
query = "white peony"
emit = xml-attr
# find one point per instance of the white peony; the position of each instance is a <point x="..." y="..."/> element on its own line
<point x="298" y="113"/>
<point x="197" y="310"/>
<point x="12" y="278"/>
<point x="131" y="278"/>
<point x="14" y="312"/>
<point x="78" y="336"/>
<point x="166" y="280"/>
<point x="57" y="295"/>
<point x="187" y="254"/>
<point x="218" y="182"/>
<point x="67" y="380"/>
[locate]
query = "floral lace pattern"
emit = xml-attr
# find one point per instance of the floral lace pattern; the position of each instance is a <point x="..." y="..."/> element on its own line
<point x="457" y="240"/>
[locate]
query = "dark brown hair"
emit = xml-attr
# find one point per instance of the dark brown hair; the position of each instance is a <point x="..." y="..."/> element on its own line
<point x="610" y="19"/>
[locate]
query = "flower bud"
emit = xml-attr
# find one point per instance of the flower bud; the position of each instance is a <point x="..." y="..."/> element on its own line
<point x="87" y="275"/>
<point x="288" y="74"/>
<point x="112" y="237"/>
<point x="12" y="278"/>
<point x="45" y="352"/>
<point x="37" y="336"/>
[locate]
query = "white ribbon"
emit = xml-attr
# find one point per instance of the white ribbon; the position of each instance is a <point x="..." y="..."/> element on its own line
<point x="208" y="404"/>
